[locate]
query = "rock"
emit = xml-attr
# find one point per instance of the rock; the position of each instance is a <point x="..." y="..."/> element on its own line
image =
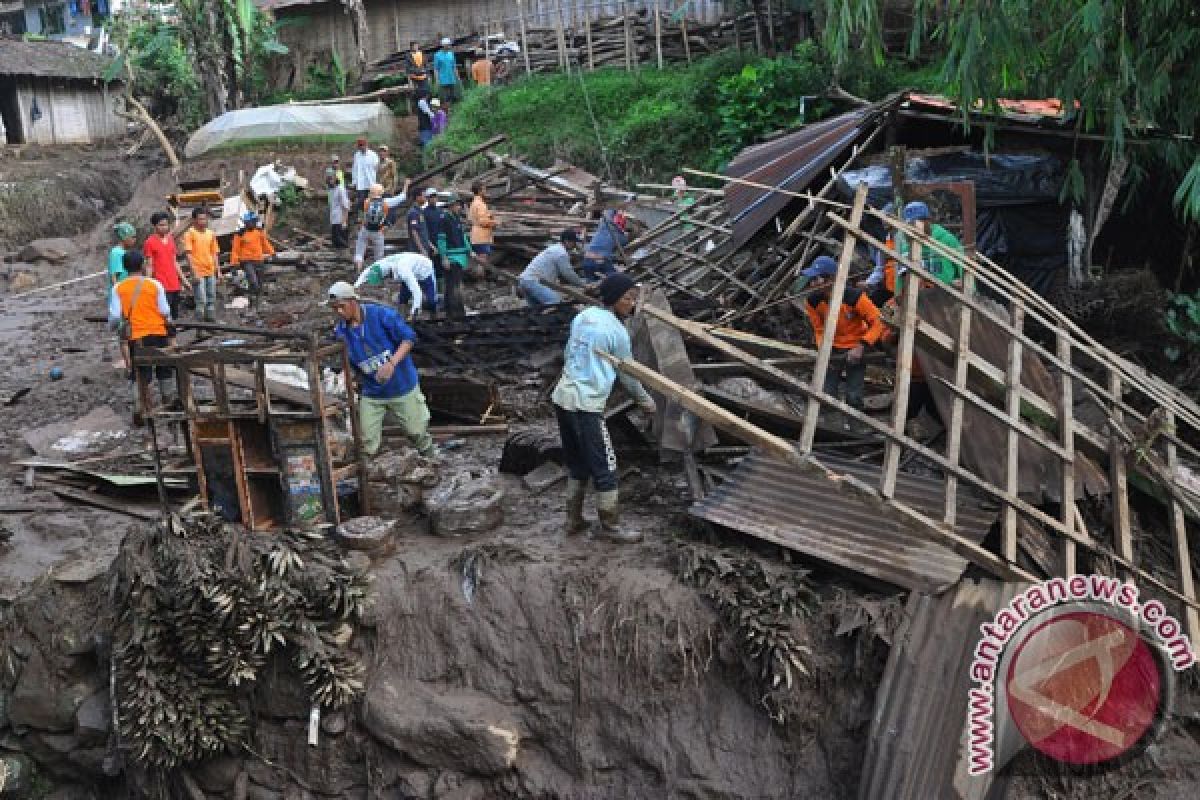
<point x="38" y="703"/>
<point x="18" y="775"/>
<point x="55" y="251"/>
<point x="22" y="282"/>
<point x="334" y="723"/>
<point x="393" y="499"/>
<point x="457" y="730"/>
<point x="391" y="466"/>
<point x="218" y="775"/>
<point x="542" y="478"/>
<point x="468" y="501"/>
<point x="366" y="533"/>
<point x="93" y="718"/>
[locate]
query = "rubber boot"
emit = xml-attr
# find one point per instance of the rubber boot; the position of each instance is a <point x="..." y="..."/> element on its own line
<point x="607" y="510"/>
<point x="576" y="492"/>
<point x="138" y="416"/>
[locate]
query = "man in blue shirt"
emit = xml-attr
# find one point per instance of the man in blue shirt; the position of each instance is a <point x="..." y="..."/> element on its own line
<point x="445" y="67"/>
<point x="579" y="400"/>
<point x="379" y="345"/>
<point x="610" y="237"/>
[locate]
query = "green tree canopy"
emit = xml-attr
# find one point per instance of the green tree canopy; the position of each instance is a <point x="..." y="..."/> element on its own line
<point x="1129" y="67"/>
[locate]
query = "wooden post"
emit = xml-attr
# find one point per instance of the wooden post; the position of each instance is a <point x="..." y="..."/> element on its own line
<point x="1183" y="556"/>
<point x="563" y="56"/>
<point x="628" y="36"/>
<point x="825" y="349"/>
<point x="1118" y="475"/>
<point x="1066" y="428"/>
<point x="1013" y="440"/>
<point x="587" y="32"/>
<point x="904" y="358"/>
<point x="962" y="363"/>
<point x="524" y="38"/>
<point x="683" y="31"/>
<point x="658" y="33"/>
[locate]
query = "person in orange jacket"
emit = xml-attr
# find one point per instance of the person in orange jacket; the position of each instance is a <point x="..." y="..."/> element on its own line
<point x="251" y="248"/>
<point x="858" y="327"/>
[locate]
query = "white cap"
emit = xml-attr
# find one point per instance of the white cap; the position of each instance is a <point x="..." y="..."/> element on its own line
<point x="335" y="157"/>
<point x="435" y="102"/>
<point x="341" y="291"/>
<point x="431" y="192"/>
<point x="445" y="41"/>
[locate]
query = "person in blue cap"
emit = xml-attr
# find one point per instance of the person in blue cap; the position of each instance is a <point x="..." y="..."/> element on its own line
<point x="857" y="327"/>
<point x="941" y="266"/>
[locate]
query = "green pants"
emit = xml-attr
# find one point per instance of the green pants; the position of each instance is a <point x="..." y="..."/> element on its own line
<point x="409" y="409"/>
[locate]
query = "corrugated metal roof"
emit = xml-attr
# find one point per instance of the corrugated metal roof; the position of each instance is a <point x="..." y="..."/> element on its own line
<point x="915" y="750"/>
<point x="802" y="511"/>
<point x="49" y="59"/>
<point x="789" y="162"/>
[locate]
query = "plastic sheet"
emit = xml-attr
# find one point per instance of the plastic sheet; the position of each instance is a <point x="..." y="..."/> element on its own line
<point x="373" y="120"/>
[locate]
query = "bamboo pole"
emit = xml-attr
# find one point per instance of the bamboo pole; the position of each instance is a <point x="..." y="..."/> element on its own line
<point x="1012" y="440"/>
<point x="687" y="47"/>
<point x="904" y="359"/>
<point x="524" y="37"/>
<point x="587" y="32"/>
<point x="658" y="33"/>
<point x="1119" y="477"/>
<point x="954" y="430"/>
<point x="1183" y="556"/>
<point x="1066" y="428"/>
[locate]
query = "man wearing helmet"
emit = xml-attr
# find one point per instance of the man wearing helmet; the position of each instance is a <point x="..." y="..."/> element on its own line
<point x="251" y="248"/>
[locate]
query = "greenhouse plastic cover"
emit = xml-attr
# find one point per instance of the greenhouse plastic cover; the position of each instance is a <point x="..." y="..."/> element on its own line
<point x="373" y="120"/>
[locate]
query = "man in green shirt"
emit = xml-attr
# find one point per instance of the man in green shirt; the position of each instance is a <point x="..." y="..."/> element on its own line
<point x="126" y="236"/>
<point x="939" y="265"/>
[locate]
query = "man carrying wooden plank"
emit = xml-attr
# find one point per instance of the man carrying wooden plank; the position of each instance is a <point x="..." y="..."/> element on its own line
<point x="857" y="327"/>
<point x="580" y="398"/>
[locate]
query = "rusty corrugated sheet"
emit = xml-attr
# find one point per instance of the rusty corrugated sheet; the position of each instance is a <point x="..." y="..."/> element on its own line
<point x="805" y="512"/>
<point x="789" y="162"/>
<point x="915" y="750"/>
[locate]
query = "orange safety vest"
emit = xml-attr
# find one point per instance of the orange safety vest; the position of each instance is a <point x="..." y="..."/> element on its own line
<point x="417" y="60"/>
<point x="858" y="321"/>
<point x="144" y="317"/>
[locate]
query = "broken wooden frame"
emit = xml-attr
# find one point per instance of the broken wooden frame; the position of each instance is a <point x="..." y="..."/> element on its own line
<point x="1027" y="417"/>
<point x="271" y="439"/>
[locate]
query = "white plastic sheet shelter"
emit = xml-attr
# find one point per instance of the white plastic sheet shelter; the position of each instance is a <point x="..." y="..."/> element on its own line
<point x="333" y="121"/>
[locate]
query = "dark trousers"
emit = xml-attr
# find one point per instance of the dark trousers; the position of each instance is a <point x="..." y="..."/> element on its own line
<point x="587" y="449"/>
<point x="855" y="375"/>
<point x="147" y="374"/>
<point x="172" y="303"/>
<point x="596" y="268"/>
<point x="454" y="302"/>
<point x="921" y="396"/>
<point x="429" y="298"/>
<point x="252" y="278"/>
<point x="337" y="232"/>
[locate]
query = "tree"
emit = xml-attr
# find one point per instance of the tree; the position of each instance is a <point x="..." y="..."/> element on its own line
<point x="1126" y="68"/>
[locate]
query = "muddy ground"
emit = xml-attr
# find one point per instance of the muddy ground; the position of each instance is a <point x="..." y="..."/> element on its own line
<point x="547" y="668"/>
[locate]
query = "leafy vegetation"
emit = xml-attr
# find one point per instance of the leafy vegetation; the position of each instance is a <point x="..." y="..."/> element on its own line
<point x="1182" y="319"/>
<point x="154" y="54"/>
<point x="643" y="125"/>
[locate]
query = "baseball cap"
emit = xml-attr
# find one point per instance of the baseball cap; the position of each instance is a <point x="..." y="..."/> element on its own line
<point x="435" y="103"/>
<point x="915" y="211"/>
<point x="431" y="192"/>
<point x="341" y="291"/>
<point x="446" y="41"/>
<point x="821" y="266"/>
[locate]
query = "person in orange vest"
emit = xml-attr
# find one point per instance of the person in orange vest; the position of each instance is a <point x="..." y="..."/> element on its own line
<point x="251" y="248"/>
<point x="417" y="67"/>
<point x="857" y="327"/>
<point x="139" y="311"/>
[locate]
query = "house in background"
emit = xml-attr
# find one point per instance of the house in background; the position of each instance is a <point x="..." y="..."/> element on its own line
<point x="55" y="93"/>
<point x="79" y="22"/>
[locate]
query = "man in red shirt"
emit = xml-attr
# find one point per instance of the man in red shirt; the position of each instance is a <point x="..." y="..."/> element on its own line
<point x="159" y="250"/>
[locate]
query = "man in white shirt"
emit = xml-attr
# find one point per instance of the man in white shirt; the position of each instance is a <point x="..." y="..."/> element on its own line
<point x="339" y="211"/>
<point x="363" y="170"/>
<point x="415" y="274"/>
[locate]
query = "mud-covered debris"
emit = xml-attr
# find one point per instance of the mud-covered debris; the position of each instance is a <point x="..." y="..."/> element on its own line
<point x="367" y="533"/>
<point x="467" y="502"/>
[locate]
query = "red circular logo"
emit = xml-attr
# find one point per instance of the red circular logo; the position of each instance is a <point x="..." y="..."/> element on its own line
<point x="1083" y="687"/>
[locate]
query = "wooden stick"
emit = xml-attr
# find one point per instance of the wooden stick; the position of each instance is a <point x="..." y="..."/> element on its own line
<point x="658" y="34"/>
<point x="825" y="349"/>
<point x="587" y="32"/>
<point x="1066" y="416"/>
<point x="1183" y="555"/>
<point x="88" y="498"/>
<point x="904" y="359"/>
<point x="524" y="38"/>
<point x="1012" y="442"/>
<point x="1119" y="476"/>
<point x="954" y="430"/>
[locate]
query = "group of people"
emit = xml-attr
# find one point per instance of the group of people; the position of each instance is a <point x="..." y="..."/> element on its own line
<point x="553" y="265"/>
<point x="859" y="326"/>
<point x="432" y="111"/>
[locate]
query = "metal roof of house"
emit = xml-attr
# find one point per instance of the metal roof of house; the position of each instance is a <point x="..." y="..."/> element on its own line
<point x="49" y="59"/>
<point x="804" y="512"/>
<point x="915" y="748"/>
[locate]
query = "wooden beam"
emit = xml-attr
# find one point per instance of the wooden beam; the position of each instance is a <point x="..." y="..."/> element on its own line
<point x="1122" y="531"/>
<point x="825" y="348"/>
<point x="454" y="162"/>
<point x="1012" y="448"/>
<point x="1183" y="554"/>
<point x="954" y="428"/>
<point x="1066" y="416"/>
<point x="904" y="360"/>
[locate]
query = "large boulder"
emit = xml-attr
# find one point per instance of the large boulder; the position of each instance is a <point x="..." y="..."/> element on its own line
<point x="39" y="702"/>
<point x="56" y="251"/>
<point x="456" y="729"/>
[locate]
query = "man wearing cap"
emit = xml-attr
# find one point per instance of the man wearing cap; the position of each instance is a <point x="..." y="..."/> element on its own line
<point x="415" y="274"/>
<point x="376" y="213"/>
<point x="416" y="225"/>
<point x="937" y="263"/>
<point x="363" y="169"/>
<point x="379" y="347"/>
<point x="454" y="249"/>
<point x="552" y="265"/>
<point x="857" y="327"/>
<point x="580" y="398"/>
<point x="445" y="69"/>
<point x="424" y="113"/>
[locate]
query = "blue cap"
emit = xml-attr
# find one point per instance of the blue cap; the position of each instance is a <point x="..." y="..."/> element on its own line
<point x="249" y="217"/>
<point x="916" y="211"/>
<point x="821" y="265"/>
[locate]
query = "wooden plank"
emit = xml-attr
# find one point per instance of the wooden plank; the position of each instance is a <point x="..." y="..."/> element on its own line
<point x="1122" y="531"/>
<point x="658" y="33"/>
<point x="825" y="348"/>
<point x="88" y="498"/>
<point x="1183" y="555"/>
<point x="904" y="358"/>
<point x="587" y="32"/>
<point x="1066" y="416"/>
<point x="524" y="52"/>
<point x="954" y="430"/>
<point x="1012" y="477"/>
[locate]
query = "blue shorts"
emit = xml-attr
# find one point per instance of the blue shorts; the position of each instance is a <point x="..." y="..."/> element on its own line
<point x="482" y="249"/>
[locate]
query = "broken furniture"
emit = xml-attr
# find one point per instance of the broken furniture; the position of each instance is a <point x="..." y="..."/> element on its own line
<point x="260" y="450"/>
